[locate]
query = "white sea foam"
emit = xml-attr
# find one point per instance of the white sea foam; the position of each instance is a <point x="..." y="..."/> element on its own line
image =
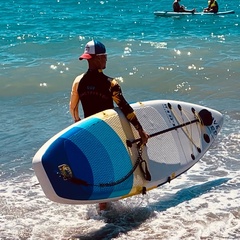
<point x="178" y="210"/>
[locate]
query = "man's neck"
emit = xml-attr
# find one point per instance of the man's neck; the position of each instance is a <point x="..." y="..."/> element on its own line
<point x="95" y="70"/>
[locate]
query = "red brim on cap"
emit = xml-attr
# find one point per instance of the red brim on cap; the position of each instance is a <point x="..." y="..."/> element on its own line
<point x="85" y="56"/>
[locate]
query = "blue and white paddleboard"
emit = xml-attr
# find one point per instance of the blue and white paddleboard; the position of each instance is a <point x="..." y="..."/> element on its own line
<point x="178" y="14"/>
<point x="99" y="159"/>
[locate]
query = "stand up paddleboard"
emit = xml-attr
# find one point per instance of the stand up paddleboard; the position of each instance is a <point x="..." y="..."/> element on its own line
<point x="179" y="14"/>
<point x="100" y="159"/>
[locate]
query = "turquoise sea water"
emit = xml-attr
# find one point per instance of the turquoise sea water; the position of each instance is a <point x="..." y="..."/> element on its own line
<point x="192" y="58"/>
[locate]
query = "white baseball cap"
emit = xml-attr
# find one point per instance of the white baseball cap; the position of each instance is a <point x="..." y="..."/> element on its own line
<point x="93" y="47"/>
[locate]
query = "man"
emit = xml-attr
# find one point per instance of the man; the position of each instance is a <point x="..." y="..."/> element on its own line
<point x="180" y="8"/>
<point x="98" y="92"/>
<point x="212" y="6"/>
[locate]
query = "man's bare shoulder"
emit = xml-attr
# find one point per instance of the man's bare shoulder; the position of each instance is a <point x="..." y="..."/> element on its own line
<point x="78" y="78"/>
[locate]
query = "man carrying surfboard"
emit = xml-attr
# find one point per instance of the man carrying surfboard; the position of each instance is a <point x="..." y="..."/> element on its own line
<point x="98" y="92"/>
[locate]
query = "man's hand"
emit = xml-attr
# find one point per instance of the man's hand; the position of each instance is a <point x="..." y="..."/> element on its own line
<point x="144" y="136"/>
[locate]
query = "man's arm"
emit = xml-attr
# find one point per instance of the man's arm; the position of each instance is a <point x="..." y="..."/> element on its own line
<point x="74" y="100"/>
<point x="127" y="110"/>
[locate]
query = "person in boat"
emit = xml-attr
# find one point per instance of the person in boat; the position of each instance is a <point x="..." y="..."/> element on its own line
<point x="180" y="8"/>
<point x="98" y="92"/>
<point x="212" y="7"/>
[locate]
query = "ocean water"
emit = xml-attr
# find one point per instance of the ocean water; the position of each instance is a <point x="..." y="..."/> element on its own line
<point x="192" y="58"/>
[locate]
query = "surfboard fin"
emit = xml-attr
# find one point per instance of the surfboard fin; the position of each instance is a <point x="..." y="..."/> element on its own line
<point x="144" y="190"/>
